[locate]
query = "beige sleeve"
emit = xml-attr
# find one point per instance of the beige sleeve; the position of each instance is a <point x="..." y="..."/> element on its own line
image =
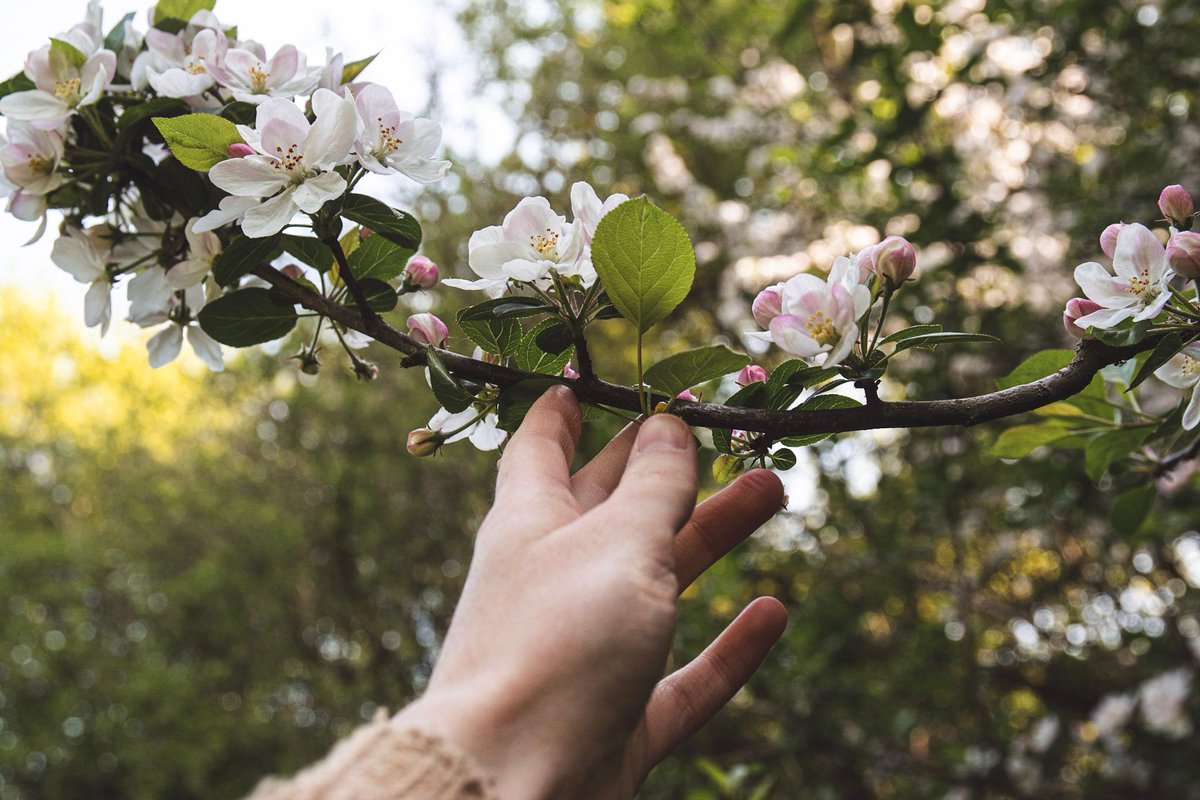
<point x="380" y="761"/>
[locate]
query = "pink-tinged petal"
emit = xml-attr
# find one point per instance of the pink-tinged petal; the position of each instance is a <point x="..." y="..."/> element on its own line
<point x="181" y="83"/>
<point x="315" y="192"/>
<point x="488" y="260"/>
<point x="283" y="140"/>
<point x="332" y="135"/>
<point x="206" y="348"/>
<point x="1105" y="318"/>
<point x="482" y="285"/>
<point x="1100" y="286"/>
<point x="1182" y="371"/>
<point x="279" y="108"/>
<point x="528" y="270"/>
<point x="149" y="297"/>
<point x="252" y="176"/>
<point x="424" y="172"/>
<point x="165" y="345"/>
<point x="799" y="285"/>
<point x="586" y="207"/>
<point x="200" y="243"/>
<point x="97" y="305"/>
<point x="1152" y="310"/>
<point x="208" y="45"/>
<point x="424" y="138"/>
<point x="187" y="274"/>
<point x="27" y="206"/>
<point x="168" y="46"/>
<point x="74" y="255"/>
<point x="532" y="217"/>
<point x="843" y="348"/>
<point x="1191" y="414"/>
<point x="34" y="106"/>
<point x="283" y="65"/>
<point x="377" y="107"/>
<point x="102" y="65"/>
<point x="1138" y="251"/>
<point x="787" y="331"/>
<point x="489" y="235"/>
<point x="269" y="218"/>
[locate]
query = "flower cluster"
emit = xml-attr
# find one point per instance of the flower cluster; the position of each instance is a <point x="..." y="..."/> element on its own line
<point x="84" y="136"/>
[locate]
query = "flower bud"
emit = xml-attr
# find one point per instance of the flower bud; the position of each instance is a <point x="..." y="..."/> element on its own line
<point x="365" y="370"/>
<point x="428" y="329"/>
<point x="767" y="306"/>
<point x="1078" y="307"/>
<point x="293" y="271"/>
<point x="423" y="442"/>
<point x="1183" y="254"/>
<point x="309" y="363"/>
<point x="569" y="372"/>
<point x="421" y="272"/>
<point x="1176" y="205"/>
<point x="686" y="394"/>
<point x="239" y="150"/>
<point x="364" y="233"/>
<point x="895" y="259"/>
<point x="751" y="374"/>
<point x="1108" y="239"/>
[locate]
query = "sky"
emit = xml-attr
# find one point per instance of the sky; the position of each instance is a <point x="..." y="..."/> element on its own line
<point x="411" y="37"/>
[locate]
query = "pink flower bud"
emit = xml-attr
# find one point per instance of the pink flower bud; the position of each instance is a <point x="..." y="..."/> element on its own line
<point x="1078" y="307"/>
<point x="767" y="306"/>
<point x="428" y="329"/>
<point x="569" y="372"/>
<point x="1176" y="205"/>
<point x="239" y="150"/>
<point x="1183" y="254"/>
<point x="421" y="272"/>
<point x="365" y="233"/>
<point x="423" y="442"/>
<point x="293" y="271"/>
<point x="895" y="259"/>
<point x="1108" y="239"/>
<point x="686" y="394"/>
<point x="751" y="374"/>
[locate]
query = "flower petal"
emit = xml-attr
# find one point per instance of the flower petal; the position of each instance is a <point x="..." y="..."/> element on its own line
<point x="206" y="348"/>
<point x="252" y="176"/>
<point x="269" y="218"/>
<point x="164" y="346"/>
<point x="1138" y="251"/>
<point x="316" y="191"/>
<point x="1099" y="285"/>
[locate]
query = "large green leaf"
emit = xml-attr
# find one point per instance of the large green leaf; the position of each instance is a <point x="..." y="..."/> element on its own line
<point x="505" y="308"/>
<point x="1106" y="448"/>
<point x="645" y="261"/>
<point x="932" y="340"/>
<point x="1036" y="367"/>
<point x="693" y="367"/>
<point x="379" y="258"/>
<point x="243" y="255"/>
<point x="395" y="226"/>
<point x="908" y="333"/>
<point x="199" y="141"/>
<point x="498" y="336"/>
<point x="246" y="317"/>
<point x="1161" y="354"/>
<point x="309" y="250"/>
<point x="1131" y="508"/>
<point x="532" y="358"/>
<point x="1022" y="440"/>
<point x="381" y="297"/>
<point x="515" y="401"/>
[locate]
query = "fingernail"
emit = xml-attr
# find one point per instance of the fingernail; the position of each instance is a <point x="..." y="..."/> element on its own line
<point x="662" y="432"/>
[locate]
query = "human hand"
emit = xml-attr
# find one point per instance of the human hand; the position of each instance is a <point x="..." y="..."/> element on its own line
<point x="549" y="675"/>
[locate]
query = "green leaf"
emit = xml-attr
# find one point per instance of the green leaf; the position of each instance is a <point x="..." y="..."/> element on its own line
<point x="693" y="367"/>
<point x="908" y="333"/>
<point x="446" y="388"/>
<point x="17" y="83"/>
<point x="395" y="226"/>
<point x="515" y="401"/>
<point x="1161" y="354"/>
<point x="1036" y="367"/>
<point x="246" y="317"/>
<point x="726" y="467"/>
<point x="932" y="340"/>
<point x="1122" y="337"/>
<point x="199" y="141"/>
<point x="1131" y="508"/>
<point x="1107" y="447"/>
<point x="379" y="258"/>
<point x="309" y="250"/>
<point x="180" y="9"/>
<point x="1022" y="440"/>
<point x="243" y="256"/>
<point x="789" y="380"/>
<point x="498" y="336"/>
<point x="66" y="53"/>
<point x="645" y="260"/>
<point x="381" y="297"/>
<point x="783" y="459"/>
<point x="505" y="308"/>
<point x="554" y="339"/>
<point x="531" y="357"/>
<point x="829" y="402"/>
<point x="116" y="37"/>
<point x="354" y="68"/>
<point x="805" y="441"/>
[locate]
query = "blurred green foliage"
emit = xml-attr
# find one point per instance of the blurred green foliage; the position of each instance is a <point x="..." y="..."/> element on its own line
<point x="207" y="579"/>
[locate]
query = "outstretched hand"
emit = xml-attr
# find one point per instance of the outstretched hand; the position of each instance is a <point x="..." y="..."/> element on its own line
<point x="550" y="675"/>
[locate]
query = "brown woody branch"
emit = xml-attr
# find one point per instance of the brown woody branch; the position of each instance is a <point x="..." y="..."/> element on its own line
<point x="1090" y="358"/>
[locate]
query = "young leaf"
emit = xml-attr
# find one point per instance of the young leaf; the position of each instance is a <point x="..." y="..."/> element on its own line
<point x="693" y="367"/>
<point x="448" y="391"/>
<point x="498" y="336"/>
<point x="1131" y="508"/>
<point x="554" y="338"/>
<point x="908" y="333"/>
<point x="532" y="358"/>
<point x="645" y="260"/>
<point x="393" y="225"/>
<point x="354" y="68"/>
<point x="504" y="308"/>
<point x="1121" y="337"/>
<point x="17" y="83"/>
<point x="828" y="402"/>
<point x="116" y="36"/>
<point x="246" y="317"/>
<point x="783" y="459"/>
<point x="932" y="340"/>
<point x="378" y="258"/>
<point x="1022" y="440"/>
<point x="806" y="440"/>
<point x="1161" y="354"/>
<point x="67" y="53"/>
<point x="180" y="9"/>
<point x="199" y="141"/>
<point x="242" y="256"/>
<point x="309" y="250"/>
<point x="1106" y="448"/>
<point x="1036" y="367"/>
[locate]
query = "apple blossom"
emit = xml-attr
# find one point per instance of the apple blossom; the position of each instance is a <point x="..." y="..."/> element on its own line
<point x="751" y="373"/>
<point x="294" y="169"/>
<point x="428" y="329"/>
<point x="569" y="372"/>
<point x="1139" y="289"/>
<point x="77" y="254"/>
<point x="1113" y="713"/>
<point x="895" y="259"/>
<point x="767" y="305"/>
<point x="1078" y="307"/>
<point x="63" y="86"/>
<point x="421" y="272"/>
<point x="151" y="297"/>
<point x="30" y="160"/>
<point x="843" y="273"/>
<point x="1108" y="238"/>
<point x="181" y="65"/>
<point x="1183" y="254"/>
<point x="1162" y="703"/>
<point x="164" y="346"/>
<point x="253" y="78"/>
<point x="482" y="430"/>
<point x="1182" y="371"/>
<point x="203" y="249"/>
<point x="1176" y="205"/>
<point x="392" y="141"/>
<point x="819" y="326"/>
<point x="587" y="210"/>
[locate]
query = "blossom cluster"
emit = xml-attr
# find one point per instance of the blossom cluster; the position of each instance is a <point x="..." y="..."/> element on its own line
<point x="311" y="132"/>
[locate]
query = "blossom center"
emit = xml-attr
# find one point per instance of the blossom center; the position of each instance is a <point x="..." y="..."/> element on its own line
<point x="1190" y="366"/>
<point x="820" y="328"/>
<point x="1144" y="289"/>
<point x="196" y="67"/>
<point x="546" y="246"/>
<point x="67" y="89"/>
<point x="290" y="160"/>
<point x="388" y="140"/>
<point x="40" y="164"/>
<point x="258" y="79"/>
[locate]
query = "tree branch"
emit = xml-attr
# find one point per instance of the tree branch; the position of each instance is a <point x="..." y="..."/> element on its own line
<point x="1090" y="358"/>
